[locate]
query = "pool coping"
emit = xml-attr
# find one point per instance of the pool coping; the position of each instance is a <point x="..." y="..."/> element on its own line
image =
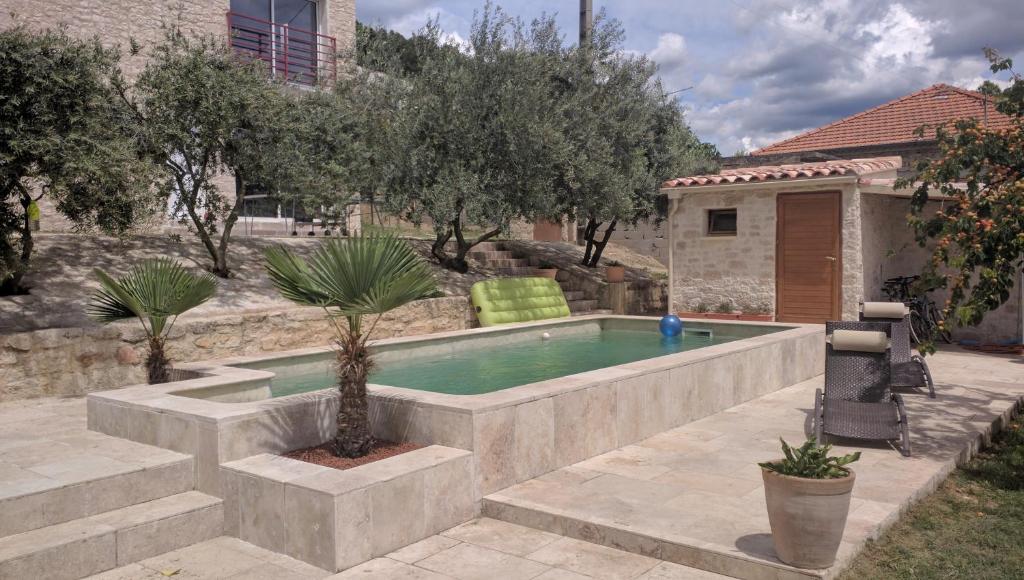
<point x="224" y="373"/>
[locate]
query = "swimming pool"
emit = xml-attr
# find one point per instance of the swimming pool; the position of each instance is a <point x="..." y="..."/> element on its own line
<point x="474" y="369"/>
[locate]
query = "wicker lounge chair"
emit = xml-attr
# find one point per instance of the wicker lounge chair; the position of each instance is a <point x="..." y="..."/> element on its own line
<point x="857" y="400"/>
<point x="908" y="368"/>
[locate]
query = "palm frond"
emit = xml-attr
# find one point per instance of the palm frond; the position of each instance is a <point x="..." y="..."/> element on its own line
<point x="356" y="276"/>
<point x="154" y="290"/>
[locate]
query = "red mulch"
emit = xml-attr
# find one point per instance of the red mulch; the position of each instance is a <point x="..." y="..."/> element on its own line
<point x="324" y="455"/>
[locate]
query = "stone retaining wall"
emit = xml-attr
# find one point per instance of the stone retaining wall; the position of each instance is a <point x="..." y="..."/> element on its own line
<point x="74" y="361"/>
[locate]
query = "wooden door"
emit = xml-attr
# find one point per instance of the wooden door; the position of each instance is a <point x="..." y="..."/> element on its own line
<point x="808" y="261"/>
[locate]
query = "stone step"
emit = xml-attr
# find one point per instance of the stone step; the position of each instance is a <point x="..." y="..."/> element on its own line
<point x="572" y="295"/>
<point x="489" y="247"/>
<point x="495" y="255"/>
<point x="86" y="546"/>
<point x="52" y="482"/>
<point x="522" y="271"/>
<point x="582" y="305"/>
<point x="510" y="263"/>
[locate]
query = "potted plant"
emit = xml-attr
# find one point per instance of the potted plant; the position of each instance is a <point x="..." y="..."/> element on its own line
<point x="615" y="272"/>
<point x="546" y="270"/>
<point x="808" y="496"/>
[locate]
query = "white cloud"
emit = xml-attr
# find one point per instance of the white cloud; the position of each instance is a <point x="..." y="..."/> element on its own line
<point x="671" y="56"/>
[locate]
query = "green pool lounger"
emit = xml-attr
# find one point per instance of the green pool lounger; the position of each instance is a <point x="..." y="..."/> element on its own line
<point x="510" y="300"/>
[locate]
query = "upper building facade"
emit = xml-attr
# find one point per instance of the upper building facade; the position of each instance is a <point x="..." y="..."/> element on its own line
<point x="297" y="38"/>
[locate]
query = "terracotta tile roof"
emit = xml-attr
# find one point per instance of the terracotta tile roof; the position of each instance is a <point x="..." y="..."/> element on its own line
<point x="858" y="167"/>
<point x="896" y="121"/>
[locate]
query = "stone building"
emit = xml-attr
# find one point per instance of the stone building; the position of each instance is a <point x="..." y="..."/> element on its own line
<point x="300" y="40"/>
<point x="809" y="227"/>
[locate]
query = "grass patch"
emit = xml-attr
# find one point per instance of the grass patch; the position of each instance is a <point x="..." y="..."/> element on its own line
<point x="972" y="527"/>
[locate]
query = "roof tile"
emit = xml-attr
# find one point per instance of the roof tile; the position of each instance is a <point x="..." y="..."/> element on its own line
<point x="858" y="167"/>
<point x="896" y="121"/>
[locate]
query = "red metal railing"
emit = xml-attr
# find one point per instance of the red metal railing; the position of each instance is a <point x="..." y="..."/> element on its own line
<point x="300" y="56"/>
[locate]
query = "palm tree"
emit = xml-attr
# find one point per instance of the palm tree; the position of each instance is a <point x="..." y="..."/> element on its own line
<point x="156" y="292"/>
<point x="352" y="278"/>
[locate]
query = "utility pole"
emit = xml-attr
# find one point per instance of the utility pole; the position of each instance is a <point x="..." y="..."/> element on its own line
<point x="586" y="20"/>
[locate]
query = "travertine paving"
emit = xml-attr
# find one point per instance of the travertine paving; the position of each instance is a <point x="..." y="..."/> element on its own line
<point x="480" y="549"/>
<point x="693" y="495"/>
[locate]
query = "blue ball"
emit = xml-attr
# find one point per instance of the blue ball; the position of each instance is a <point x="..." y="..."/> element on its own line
<point x="670" y="325"/>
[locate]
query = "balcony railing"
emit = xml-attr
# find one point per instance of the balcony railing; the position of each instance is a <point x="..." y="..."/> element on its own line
<point x="299" y="56"/>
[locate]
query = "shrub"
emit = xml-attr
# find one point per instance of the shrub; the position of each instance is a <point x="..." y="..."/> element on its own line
<point x="811" y="461"/>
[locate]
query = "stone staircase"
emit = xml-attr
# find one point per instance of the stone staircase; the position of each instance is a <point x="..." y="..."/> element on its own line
<point x="508" y="263"/>
<point x="114" y="502"/>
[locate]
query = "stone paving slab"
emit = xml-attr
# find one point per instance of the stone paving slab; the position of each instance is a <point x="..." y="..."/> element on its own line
<point x="54" y="470"/>
<point x="487" y="549"/>
<point x="693" y="495"/>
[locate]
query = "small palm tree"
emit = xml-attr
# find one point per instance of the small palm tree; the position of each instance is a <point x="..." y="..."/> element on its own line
<point x="156" y="292"/>
<point x="349" y="279"/>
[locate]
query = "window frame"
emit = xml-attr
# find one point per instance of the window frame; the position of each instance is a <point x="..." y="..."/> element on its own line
<point x="710" y="230"/>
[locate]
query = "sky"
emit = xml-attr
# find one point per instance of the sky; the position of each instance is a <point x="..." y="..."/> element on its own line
<point x="765" y="70"/>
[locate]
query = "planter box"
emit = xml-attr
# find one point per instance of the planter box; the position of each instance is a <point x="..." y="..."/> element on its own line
<point x="728" y="316"/>
<point x="336" y="519"/>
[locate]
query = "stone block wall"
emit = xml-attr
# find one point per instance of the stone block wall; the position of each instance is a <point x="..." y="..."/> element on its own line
<point x="74" y="361"/>
<point x="736" y="269"/>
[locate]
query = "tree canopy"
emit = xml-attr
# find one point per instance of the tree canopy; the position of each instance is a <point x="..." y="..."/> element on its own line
<point x="978" y="232"/>
<point x="63" y="135"/>
<point x="204" y="114"/>
<point x="475" y="135"/>
<point x="625" y="135"/>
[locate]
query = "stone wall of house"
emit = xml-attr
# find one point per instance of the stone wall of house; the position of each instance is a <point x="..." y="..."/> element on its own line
<point x="74" y="361"/>
<point x="740" y="270"/>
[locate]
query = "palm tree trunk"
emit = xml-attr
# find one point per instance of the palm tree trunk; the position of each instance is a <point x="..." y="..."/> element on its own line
<point x="354" y="363"/>
<point x="157" y="363"/>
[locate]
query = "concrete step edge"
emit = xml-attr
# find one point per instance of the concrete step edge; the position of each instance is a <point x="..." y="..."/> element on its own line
<point x="93" y="544"/>
<point x="81" y="499"/>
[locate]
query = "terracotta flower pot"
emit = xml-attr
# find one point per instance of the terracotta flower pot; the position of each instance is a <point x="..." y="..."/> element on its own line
<point x="615" y="274"/>
<point x="546" y="272"/>
<point x="807" y="517"/>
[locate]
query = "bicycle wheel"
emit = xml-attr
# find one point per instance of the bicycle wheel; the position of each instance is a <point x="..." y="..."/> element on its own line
<point x="940" y="330"/>
<point x="918" y="327"/>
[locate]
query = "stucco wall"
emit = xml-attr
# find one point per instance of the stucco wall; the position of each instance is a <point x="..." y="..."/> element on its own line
<point x="741" y="268"/>
<point x="74" y="361"/>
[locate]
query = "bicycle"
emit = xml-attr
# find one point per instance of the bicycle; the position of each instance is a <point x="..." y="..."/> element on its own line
<point x="925" y="317"/>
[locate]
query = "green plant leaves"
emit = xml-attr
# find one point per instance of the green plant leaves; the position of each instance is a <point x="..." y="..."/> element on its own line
<point x="153" y="291"/>
<point x="355" y="277"/>
<point x="811" y="461"/>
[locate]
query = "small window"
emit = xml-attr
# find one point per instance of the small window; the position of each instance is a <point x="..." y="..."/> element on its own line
<point x="722" y="222"/>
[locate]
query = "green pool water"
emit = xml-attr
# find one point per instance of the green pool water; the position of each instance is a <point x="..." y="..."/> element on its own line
<point x="475" y="371"/>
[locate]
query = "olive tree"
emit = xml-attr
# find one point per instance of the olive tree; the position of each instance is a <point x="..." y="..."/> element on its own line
<point x="63" y="136"/>
<point x="625" y="135"/>
<point x="475" y="134"/>
<point x="208" y="117"/>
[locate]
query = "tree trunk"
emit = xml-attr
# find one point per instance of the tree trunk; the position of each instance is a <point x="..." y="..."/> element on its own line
<point x="457" y="262"/>
<point x="354" y="364"/>
<point x="600" y="245"/>
<point x="12" y="285"/>
<point x="588" y="235"/>
<point x="157" y="363"/>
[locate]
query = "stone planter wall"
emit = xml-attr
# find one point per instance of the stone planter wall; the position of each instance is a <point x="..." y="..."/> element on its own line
<point x="74" y="361"/>
<point x="337" y="519"/>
